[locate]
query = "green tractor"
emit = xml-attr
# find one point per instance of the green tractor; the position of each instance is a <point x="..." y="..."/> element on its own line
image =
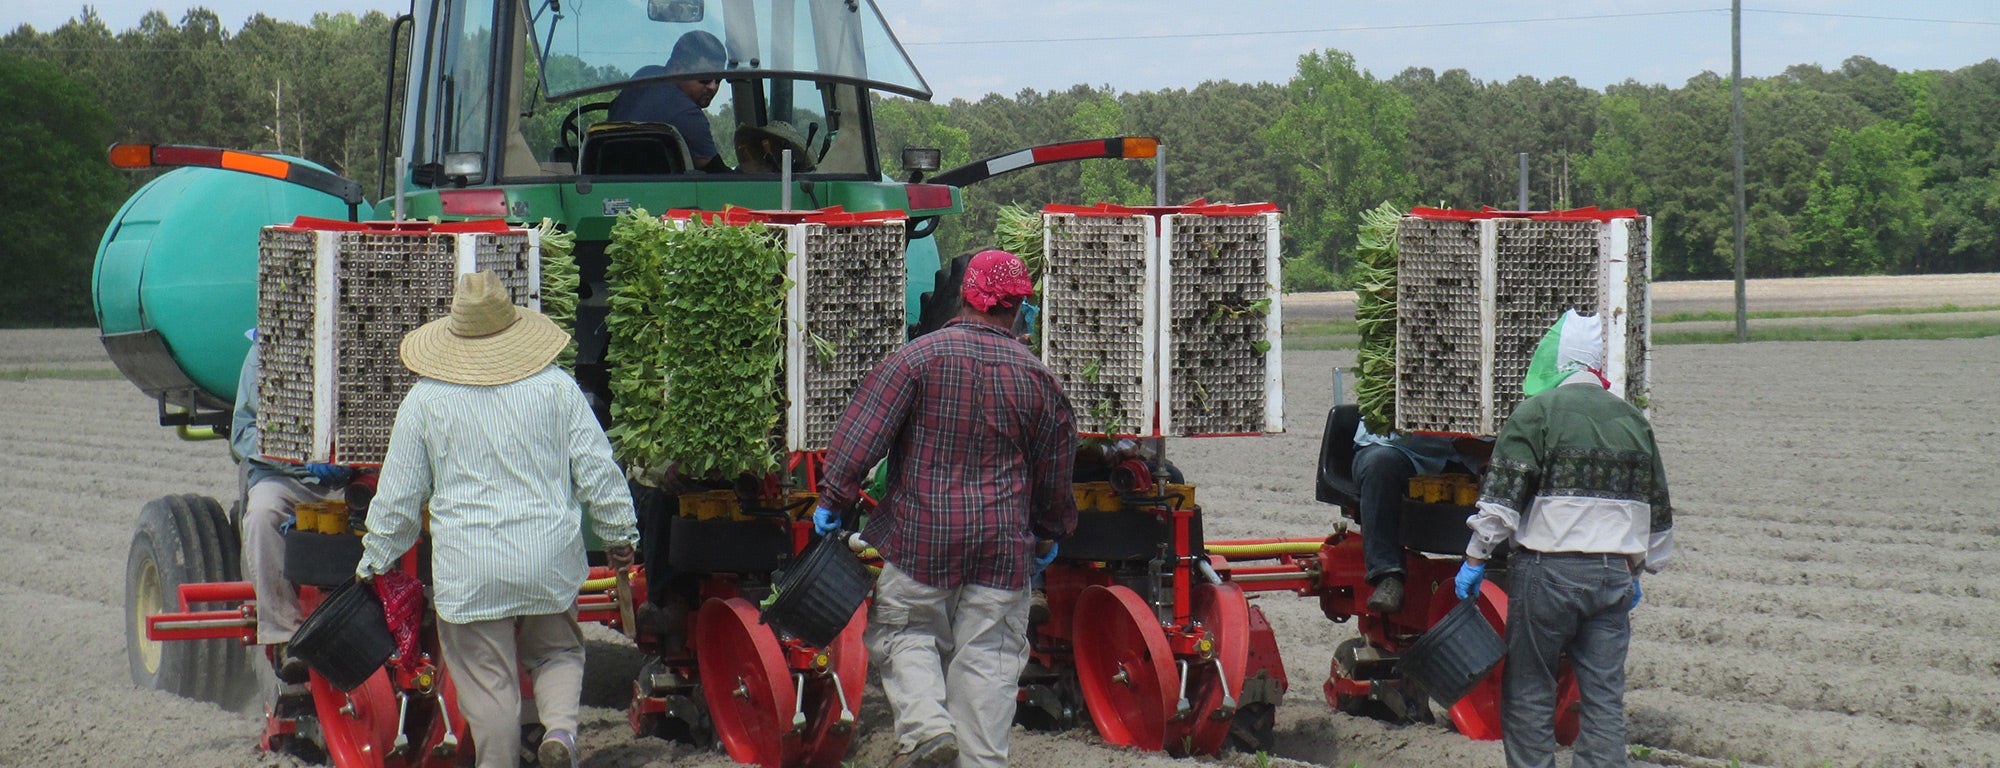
<point x="524" y="111"/>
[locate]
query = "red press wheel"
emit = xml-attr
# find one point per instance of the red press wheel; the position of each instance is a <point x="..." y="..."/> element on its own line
<point x="832" y="709"/>
<point x="1124" y="667"/>
<point x="361" y="736"/>
<point x="1212" y="692"/>
<point x="1478" y="714"/>
<point x="745" y="681"/>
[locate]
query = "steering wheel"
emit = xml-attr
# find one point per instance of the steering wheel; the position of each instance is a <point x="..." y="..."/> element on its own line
<point x="571" y="133"/>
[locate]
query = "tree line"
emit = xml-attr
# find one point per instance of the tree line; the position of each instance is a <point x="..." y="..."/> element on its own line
<point x="1861" y="169"/>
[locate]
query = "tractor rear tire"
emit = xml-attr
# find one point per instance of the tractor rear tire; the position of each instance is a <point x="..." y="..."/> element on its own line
<point x="185" y="539"/>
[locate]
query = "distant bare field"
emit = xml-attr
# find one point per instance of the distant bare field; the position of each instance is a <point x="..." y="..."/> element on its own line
<point x="1802" y="294"/>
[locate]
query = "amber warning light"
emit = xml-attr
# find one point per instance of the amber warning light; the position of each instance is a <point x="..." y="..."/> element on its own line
<point x="142" y="156"/>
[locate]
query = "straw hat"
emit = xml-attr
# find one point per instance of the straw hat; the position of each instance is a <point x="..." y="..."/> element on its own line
<point x="486" y="340"/>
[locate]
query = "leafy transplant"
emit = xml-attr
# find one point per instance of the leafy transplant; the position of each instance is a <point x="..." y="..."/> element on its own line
<point x="697" y="346"/>
<point x="559" y="285"/>
<point x="1375" y="317"/>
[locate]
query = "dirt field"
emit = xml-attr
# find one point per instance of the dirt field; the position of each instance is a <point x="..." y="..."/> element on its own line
<point x="1835" y="518"/>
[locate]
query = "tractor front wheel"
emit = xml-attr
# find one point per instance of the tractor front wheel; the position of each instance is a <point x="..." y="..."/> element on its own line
<point x="185" y="539"/>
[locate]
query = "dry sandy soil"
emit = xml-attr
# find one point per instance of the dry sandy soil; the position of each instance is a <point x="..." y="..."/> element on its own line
<point x="1836" y="516"/>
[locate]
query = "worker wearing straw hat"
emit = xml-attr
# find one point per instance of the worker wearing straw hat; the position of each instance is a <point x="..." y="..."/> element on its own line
<point x="505" y="451"/>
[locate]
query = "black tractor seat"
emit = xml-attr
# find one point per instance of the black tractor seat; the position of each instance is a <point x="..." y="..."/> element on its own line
<point x="633" y="149"/>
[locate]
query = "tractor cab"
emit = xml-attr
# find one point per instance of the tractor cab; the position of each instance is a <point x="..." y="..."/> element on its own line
<point x="709" y="93"/>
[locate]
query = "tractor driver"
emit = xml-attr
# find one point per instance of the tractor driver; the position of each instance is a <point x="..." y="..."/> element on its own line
<point x="679" y="103"/>
<point x="275" y="489"/>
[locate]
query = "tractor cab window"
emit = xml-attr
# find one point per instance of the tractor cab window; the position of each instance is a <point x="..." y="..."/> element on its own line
<point x="453" y="99"/>
<point x="747" y="126"/>
<point x="600" y="46"/>
<point x="646" y="87"/>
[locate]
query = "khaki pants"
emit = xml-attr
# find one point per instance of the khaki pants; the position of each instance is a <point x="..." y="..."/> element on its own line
<point x="485" y="659"/>
<point x="950" y="661"/>
<point x="269" y="505"/>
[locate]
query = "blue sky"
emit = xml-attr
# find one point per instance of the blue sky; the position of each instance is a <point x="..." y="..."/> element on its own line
<point x="968" y="49"/>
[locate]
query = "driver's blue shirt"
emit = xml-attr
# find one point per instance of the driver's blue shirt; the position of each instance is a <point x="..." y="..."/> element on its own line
<point x="665" y="103"/>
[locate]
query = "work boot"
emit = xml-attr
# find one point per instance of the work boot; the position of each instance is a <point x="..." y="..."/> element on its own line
<point x="1388" y="597"/>
<point x="558" y="750"/>
<point x="290" y="669"/>
<point x="666" y="621"/>
<point x="938" y="751"/>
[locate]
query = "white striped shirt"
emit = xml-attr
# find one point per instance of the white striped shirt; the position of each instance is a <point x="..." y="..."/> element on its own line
<point x="509" y="472"/>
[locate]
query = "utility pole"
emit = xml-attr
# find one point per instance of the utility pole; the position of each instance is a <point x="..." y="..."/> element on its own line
<point x="1736" y="131"/>
<point x="1524" y="181"/>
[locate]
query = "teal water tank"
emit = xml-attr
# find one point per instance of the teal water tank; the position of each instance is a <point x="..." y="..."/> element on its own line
<point x="175" y="283"/>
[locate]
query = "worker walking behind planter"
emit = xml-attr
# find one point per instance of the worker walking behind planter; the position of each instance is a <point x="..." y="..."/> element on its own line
<point x="980" y="442"/>
<point x="504" y="449"/>
<point x="1576" y="483"/>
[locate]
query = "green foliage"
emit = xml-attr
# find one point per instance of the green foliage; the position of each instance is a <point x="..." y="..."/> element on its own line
<point x="697" y="346"/>
<point x="1105" y="182"/>
<point x="1865" y="211"/>
<point x="1345" y="135"/>
<point x="1375" y="317"/>
<point x="58" y="187"/>
<point x="1019" y="232"/>
<point x="559" y="286"/>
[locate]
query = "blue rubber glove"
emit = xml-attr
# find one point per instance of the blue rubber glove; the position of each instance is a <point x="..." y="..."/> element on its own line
<point x="1042" y="562"/>
<point x="1635" y="595"/>
<point x="330" y="474"/>
<point x="825" y="521"/>
<point x="1029" y="313"/>
<point x="1469" y="576"/>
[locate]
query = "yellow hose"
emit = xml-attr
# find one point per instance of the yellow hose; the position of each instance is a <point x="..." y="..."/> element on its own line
<point x="1274" y="549"/>
<point x="599" y="585"/>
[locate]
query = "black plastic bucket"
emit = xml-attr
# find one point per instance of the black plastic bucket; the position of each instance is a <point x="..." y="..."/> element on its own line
<point x="1451" y="657"/>
<point x="346" y="638"/>
<point x="817" y="596"/>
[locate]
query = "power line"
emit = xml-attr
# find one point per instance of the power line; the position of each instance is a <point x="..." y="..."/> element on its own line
<point x="1875" y="18"/>
<point x="1433" y="25"/>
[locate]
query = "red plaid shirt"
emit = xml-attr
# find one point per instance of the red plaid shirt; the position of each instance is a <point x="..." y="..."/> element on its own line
<point x="980" y="442"/>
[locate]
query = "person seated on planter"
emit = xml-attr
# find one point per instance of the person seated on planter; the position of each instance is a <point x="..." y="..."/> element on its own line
<point x="1383" y="466"/>
<point x="275" y="490"/>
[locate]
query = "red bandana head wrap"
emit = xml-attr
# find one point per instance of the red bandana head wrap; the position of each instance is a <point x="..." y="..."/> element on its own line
<point x="996" y="279"/>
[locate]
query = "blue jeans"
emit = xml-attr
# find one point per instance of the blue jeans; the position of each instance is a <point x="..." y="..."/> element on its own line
<point x="1574" y="605"/>
<point x="1383" y="474"/>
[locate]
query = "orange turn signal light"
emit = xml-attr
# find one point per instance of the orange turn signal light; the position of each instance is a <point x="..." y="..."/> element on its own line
<point x="131" y="155"/>
<point x="257" y="164"/>
<point x="1141" y="146"/>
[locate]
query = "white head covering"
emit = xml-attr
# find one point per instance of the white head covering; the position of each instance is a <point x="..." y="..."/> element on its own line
<point x="1581" y="347"/>
<point x="1574" y="343"/>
